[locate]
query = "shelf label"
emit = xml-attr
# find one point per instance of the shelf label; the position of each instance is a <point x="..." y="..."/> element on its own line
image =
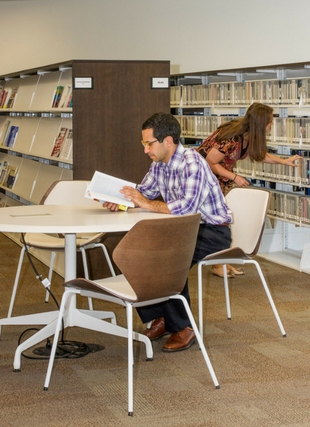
<point x="83" y="83"/>
<point x="160" y="82"/>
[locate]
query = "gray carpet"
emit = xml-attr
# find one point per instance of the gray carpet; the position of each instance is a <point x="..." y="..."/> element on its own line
<point x="264" y="378"/>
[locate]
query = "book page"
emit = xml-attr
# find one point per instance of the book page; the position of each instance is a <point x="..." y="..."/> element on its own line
<point x="105" y="187"/>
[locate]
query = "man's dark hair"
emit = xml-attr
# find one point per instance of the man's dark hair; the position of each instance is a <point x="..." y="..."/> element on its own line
<point x="163" y="125"/>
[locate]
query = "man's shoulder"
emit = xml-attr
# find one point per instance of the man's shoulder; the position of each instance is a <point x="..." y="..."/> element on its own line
<point x="192" y="155"/>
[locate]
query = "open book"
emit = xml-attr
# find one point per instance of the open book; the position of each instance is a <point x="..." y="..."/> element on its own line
<point x="106" y="188"/>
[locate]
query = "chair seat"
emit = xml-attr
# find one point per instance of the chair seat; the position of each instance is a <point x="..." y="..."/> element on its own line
<point x="54" y="242"/>
<point x="117" y="286"/>
<point x="233" y="255"/>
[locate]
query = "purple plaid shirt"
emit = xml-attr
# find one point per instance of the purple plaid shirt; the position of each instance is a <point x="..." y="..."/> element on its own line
<point x="188" y="186"/>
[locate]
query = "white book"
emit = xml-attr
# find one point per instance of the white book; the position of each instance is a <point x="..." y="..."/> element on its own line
<point x="106" y="188"/>
<point x="65" y="96"/>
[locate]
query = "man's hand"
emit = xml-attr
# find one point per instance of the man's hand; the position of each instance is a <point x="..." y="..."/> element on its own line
<point x="112" y="206"/>
<point x="135" y="196"/>
<point x="143" y="202"/>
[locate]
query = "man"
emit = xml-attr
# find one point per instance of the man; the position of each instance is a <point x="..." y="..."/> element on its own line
<point x="186" y="185"/>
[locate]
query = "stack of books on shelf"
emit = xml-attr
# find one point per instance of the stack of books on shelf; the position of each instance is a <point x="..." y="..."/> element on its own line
<point x="62" y="97"/>
<point x="10" y="136"/>
<point x="8" y="174"/>
<point x="63" y="144"/>
<point x="278" y="92"/>
<point x="7" y="97"/>
<point x="295" y="176"/>
<point x="199" y="125"/>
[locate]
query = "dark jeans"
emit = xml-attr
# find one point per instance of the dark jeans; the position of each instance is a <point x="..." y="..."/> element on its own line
<point x="210" y="239"/>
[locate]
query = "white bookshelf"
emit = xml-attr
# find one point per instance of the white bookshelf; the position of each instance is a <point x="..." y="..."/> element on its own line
<point x="105" y="118"/>
<point x="202" y="101"/>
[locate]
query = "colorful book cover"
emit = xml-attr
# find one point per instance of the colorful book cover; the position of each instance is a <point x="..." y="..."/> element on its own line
<point x="59" y="142"/>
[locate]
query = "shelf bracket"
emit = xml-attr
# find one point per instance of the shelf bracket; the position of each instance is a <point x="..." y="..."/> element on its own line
<point x="281" y="74"/>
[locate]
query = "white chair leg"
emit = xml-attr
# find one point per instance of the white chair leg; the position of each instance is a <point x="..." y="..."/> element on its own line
<point x="64" y="299"/>
<point x="85" y="266"/>
<point x="130" y="358"/>
<point x="275" y="311"/>
<point x="226" y="289"/>
<point x="50" y="274"/>
<point x="200" y="304"/>
<point x="102" y="246"/>
<point x="199" y="338"/>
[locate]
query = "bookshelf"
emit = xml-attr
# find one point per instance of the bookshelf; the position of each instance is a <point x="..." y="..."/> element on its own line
<point x="103" y="103"/>
<point x="202" y="101"/>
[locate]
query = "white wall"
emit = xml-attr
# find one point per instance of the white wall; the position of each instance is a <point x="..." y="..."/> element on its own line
<point x="195" y="35"/>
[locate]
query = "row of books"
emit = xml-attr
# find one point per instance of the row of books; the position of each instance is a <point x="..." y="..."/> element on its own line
<point x="8" y="174"/>
<point x="8" y="134"/>
<point x="290" y="207"/>
<point x="63" y="144"/>
<point x="291" y="130"/>
<point x="288" y="130"/>
<point x="7" y="97"/>
<point x="298" y="176"/>
<point x="62" y="97"/>
<point x="290" y="91"/>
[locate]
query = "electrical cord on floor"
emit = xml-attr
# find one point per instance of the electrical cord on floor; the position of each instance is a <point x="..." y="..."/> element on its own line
<point x="65" y="349"/>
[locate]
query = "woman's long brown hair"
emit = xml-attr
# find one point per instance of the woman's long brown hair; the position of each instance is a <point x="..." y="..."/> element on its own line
<point x="255" y="121"/>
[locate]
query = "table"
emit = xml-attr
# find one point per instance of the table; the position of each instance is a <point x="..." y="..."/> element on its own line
<point x="69" y="220"/>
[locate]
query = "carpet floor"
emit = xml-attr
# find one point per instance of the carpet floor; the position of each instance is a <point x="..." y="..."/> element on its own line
<point x="264" y="377"/>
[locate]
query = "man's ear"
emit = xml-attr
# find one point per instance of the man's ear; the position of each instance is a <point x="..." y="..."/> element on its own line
<point x="169" y="139"/>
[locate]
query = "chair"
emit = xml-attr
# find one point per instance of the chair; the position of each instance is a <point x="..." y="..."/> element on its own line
<point x="249" y="207"/>
<point x="154" y="258"/>
<point x="61" y="193"/>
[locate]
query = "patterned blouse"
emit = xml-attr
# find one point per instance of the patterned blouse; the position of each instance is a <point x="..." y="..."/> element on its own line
<point x="232" y="148"/>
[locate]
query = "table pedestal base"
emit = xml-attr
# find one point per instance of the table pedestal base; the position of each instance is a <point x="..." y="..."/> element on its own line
<point x="88" y="319"/>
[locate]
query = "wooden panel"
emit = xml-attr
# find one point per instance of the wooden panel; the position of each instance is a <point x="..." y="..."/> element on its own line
<point x="107" y="119"/>
<point x="107" y="123"/>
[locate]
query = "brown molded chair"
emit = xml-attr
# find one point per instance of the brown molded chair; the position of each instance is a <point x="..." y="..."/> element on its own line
<point x="154" y="258"/>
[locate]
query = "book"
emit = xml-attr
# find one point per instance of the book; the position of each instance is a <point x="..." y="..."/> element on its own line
<point x="106" y="188"/>
<point x="11" y="137"/>
<point x="2" y="96"/>
<point x="57" y="96"/>
<point x="6" y="98"/>
<point x="12" y="173"/>
<point x="4" y="131"/>
<point x="59" y="142"/>
<point x="12" y="98"/>
<point x="70" y="101"/>
<point x="4" y="172"/>
<point x="66" y="150"/>
<point x="65" y="97"/>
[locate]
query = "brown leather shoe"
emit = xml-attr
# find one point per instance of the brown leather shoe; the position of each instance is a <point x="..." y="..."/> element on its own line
<point x="156" y="330"/>
<point x="181" y="340"/>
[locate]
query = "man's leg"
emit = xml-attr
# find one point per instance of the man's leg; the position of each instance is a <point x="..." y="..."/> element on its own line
<point x="210" y="239"/>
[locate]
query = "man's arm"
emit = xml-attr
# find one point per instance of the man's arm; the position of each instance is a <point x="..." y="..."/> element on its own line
<point x="143" y="202"/>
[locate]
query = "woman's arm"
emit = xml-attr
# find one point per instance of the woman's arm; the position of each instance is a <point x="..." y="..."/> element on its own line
<point x="270" y="158"/>
<point x="214" y="157"/>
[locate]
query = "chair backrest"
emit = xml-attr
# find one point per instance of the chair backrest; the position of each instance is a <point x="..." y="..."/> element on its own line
<point x="249" y="207"/>
<point x="67" y="193"/>
<point x="156" y="254"/>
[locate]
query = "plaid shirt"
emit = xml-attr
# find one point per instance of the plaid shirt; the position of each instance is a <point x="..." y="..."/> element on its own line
<point x="188" y="186"/>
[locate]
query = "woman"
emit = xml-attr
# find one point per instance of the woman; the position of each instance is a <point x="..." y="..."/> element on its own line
<point x="238" y="139"/>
